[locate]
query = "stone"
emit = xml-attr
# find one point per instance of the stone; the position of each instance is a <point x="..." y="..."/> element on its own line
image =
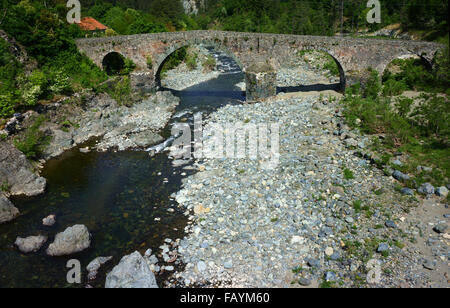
<point x="329" y="251"/>
<point x="201" y="266"/>
<point x="153" y="259"/>
<point x="335" y="256"/>
<point x="442" y="191"/>
<point x="304" y="282"/>
<point x="261" y="81"/>
<point x="330" y="276"/>
<point x="407" y="191"/>
<point x="397" y="163"/>
<point x="349" y="220"/>
<point x="15" y="170"/>
<point x="430" y="265"/>
<point x="313" y="263"/>
<point x="399" y="176"/>
<point x="49" y="220"/>
<point x="31" y="243"/>
<point x="132" y="272"/>
<point x="441" y="228"/>
<point x="390" y="224"/>
<point x="95" y="265"/>
<point x="382" y="247"/>
<point x="8" y="211"/>
<point x="426" y="189"/>
<point x="228" y="264"/>
<point x="72" y="240"/>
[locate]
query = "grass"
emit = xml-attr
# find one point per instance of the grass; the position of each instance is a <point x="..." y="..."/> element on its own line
<point x="348" y="174"/>
<point x="420" y="128"/>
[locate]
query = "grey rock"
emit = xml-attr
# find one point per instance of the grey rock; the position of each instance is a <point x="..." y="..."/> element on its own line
<point x="390" y="224"/>
<point x="441" y="228"/>
<point x="49" y="220"/>
<point x="132" y="272"/>
<point x="15" y="170"/>
<point x="228" y="264"/>
<point x="31" y="243"/>
<point x="153" y="259"/>
<point x="397" y="163"/>
<point x="400" y="176"/>
<point x="349" y="220"/>
<point x="201" y="266"/>
<point x="442" y="191"/>
<point x="383" y="247"/>
<point x="426" y="189"/>
<point x="304" y="282"/>
<point x="407" y="191"/>
<point x="313" y="263"/>
<point x="430" y="265"/>
<point x="330" y="276"/>
<point x="335" y="256"/>
<point x="8" y="211"/>
<point x="73" y="239"/>
<point x="95" y="265"/>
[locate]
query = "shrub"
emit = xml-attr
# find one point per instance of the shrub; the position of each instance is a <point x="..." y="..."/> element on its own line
<point x="393" y="87"/>
<point x="373" y="85"/>
<point x="34" y="141"/>
<point x="149" y="62"/>
<point x="6" y="105"/>
<point x="209" y="64"/>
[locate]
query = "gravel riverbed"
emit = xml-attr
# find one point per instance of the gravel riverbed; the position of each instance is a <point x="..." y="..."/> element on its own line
<point x="323" y="217"/>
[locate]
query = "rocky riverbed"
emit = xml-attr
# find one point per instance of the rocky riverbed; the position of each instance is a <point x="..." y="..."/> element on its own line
<point x="323" y="217"/>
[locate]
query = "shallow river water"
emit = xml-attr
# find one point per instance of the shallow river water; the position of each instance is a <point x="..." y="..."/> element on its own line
<point x="116" y="195"/>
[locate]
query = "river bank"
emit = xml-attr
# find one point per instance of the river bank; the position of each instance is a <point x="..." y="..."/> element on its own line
<point x="316" y="220"/>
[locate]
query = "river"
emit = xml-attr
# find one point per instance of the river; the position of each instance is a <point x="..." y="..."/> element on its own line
<point x="122" y="197"/>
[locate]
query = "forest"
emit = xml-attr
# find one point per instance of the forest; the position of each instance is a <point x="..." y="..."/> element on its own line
<point x="41" y="27"/>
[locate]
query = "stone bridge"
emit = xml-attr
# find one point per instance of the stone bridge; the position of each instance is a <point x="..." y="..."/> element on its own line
<point x="354" y="56"/>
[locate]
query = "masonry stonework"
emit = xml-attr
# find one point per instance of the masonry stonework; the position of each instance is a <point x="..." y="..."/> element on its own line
<point x="354" y="56"/>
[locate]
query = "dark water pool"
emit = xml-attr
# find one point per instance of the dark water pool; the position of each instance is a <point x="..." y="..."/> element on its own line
<point x="116" y="195"/>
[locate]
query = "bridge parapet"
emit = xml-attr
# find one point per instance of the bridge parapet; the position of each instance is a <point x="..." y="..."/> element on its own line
<point x="353" y="55"/>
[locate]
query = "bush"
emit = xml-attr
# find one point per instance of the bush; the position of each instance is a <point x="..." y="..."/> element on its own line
<point x="433" y="116"/>
<point x="34" y="141"/>
<point x="33" y="87"/>
<point x="6" y="105"/>
<point x="209" y="64"/>
<point x="121" y="91"/>
<point x="373" y="85"/>
<point x="393" y="87"/>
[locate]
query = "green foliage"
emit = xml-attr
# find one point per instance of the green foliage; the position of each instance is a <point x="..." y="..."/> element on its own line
<point x="34" y="140"/>
<point x="121" y="91"/>
<point x="419" y="128"/>
<point x="175" y="59"/>
<point x="209" y="64"/>
<point x="373" y="86"/>
<point x="149" y="62"/>
<point x="331" y="66"/>
<point x="348" y="174"/>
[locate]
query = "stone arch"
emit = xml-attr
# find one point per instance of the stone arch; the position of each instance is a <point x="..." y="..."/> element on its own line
<point x="162" y="58"/>
<point x="425" y="61"/>
<point x="342" y="75"/>
<point x="113" y="62"/>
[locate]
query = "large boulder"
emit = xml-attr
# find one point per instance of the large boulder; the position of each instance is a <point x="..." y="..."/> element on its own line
<point x="73" y="239"/>
<point x="31" y="243"/>
<point x="7" y="210"/>
<point x="16" y="171"/>
<point x="132" y="272"/>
